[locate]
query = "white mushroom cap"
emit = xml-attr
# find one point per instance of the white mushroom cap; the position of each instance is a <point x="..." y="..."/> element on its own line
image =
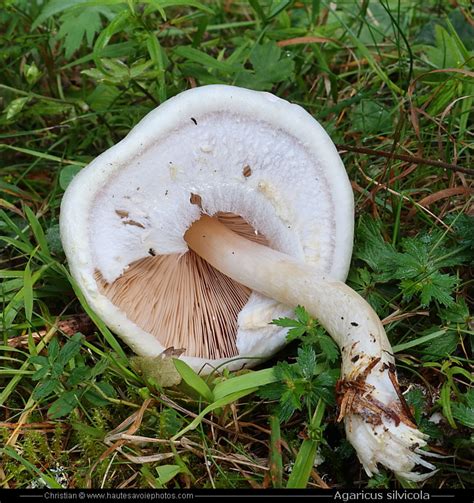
<point x="243" y="152"/>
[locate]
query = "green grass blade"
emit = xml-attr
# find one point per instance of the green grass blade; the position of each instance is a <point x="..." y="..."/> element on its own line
<point x="28" y="293"/>
<point x="244" y="382"/>
<point x="37" y="231"/>
<point x="193" y="380"/>
<point x="303" y="465"/>
<point x="416" y="342"/>
<point x="276" y="460"/>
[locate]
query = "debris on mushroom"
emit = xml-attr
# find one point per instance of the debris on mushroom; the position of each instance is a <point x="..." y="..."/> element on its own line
<point x="281" y="235"/>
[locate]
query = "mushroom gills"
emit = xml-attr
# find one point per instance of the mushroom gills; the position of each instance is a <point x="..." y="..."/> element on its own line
<point x="202" y="316"/>
<point x="377" y="420"/>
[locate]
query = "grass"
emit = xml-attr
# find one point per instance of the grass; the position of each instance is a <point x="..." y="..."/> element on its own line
<point x="391" y="81"/>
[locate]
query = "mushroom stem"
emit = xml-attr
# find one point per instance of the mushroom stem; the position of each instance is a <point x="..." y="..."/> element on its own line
<point x="377" y="420"/>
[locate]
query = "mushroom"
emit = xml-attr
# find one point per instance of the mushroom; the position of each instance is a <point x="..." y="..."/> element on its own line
<point x="140" y="241"/>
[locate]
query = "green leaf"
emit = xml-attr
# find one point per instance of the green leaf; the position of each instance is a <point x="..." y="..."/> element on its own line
<point x="70" y="349"/>
<point x="371" y="117"/>
<point x="372" y="248"/>
<point x="205" y="60"/>
<point x="303" y="316"/>
<point x="53" y="240"/>
<point x="45" y="388"/>
<point x="306" y="361"/>
<point x="96" y="398"/>
<point x="79" y="375"/>
<point x="329" y="348"/>
<point x="56" y="6"/>
<point x="63" y="405"/>
<point x="290" y="401"/>
<point x="167" y="473"/>
<point x="440" y="347"/>
<point x="100" y="100"/>
<point x="32" y="73"/>
<point x="296" y="333"/>
<point x="469" y="398"/>
<point x="40" y="373"/>
<point x="39" y="360"/>
<point x="463" y="414"/>
<point x="445" y="401"/>
<point x="416" y="400"/>
<point x="458" y="314"/>
<point x="53" y="349"/>
<point x="158" y="56"/>
<point x="163" y="4"/>
<point x="15" y="107"/>
<point x="67" y="174"/>
<point x="170" y="423"/>
<point x="436" y="286"/>
<point x="193" y="380"/>
<point x="270" y="66"/>
<point x="75" y="25"/>
<point x="286" y="322"/>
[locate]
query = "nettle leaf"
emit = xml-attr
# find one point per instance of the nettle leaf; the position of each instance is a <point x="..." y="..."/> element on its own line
<point x="170" y="423"/>
<point x="440" y="347"/>
<point x="295" y="333"/>
<point x="457" y="315"/>
<point x="416" y="400"/>
<point x="436" y="286"/>
<point x="469" y="398"/>
<point x="303" y="316"/>
<point x="464" y="229"/>
<point x="270" y="66"/>
<point x="286" y="322"/>
<point x="372" y="248"/>
<point x="463" y="414"/>
<point x="79" y="24"/>
<point x="329" y="348"/>
<point x="290" y="401"/>
<point x="306" y="361"/>
<point x="364" y="283"/>
<point x="272" y="391"/>
<point x="370" y="117"/>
